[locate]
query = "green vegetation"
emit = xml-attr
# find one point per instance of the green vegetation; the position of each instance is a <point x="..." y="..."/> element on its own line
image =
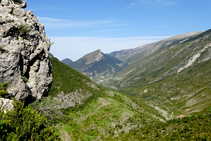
<point x="22" y="123"/>
<point x="156" y="78"/>
<point x="88" y="111"/>
<point x="25" y="79"/>
<point x="17" y="1"/>
<point x="3" y="90"/>
<point x="98" y="117"/>
<point x="4" y="22"/>
<point x="11" y="21"/>
<point x="2" y="50"/>
<point x="67" y="80"/>
<point x="49" y="44"/>
<point x="103" y="114"/>
<point x="193" y="128"/>
<point x="47" y="106"/>
<point x="23" y="30"/>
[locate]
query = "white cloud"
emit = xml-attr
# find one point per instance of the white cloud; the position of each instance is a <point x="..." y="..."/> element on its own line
<point x="108" y="30"/>
<point x="152" y="2"/>
<point x="76" y="47"/>
<point x="52" y="23"/>
<point x="158" y="2"/>
<point x="131" y="5"/>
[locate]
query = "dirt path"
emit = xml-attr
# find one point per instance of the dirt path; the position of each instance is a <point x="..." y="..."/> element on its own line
<point x="64" y="135"/>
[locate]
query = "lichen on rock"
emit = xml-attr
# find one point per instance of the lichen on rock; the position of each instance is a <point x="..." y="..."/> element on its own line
<point x="24" y="62"/>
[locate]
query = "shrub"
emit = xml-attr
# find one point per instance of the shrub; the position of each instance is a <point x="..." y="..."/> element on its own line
<point x="23" y="30"/>
<point x="50" y="44"/>
<point x="3" y="90"/>
<point x="22" y="123"/>
<point x="17" y="1"/>
<point x="47" y="106"/>
<point x="3" y="50"/>
<point x="4" y="86"/>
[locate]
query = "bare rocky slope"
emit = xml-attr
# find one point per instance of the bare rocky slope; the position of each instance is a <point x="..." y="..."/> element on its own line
<point x="24" y="46"/>
<point x="128" y="55"/>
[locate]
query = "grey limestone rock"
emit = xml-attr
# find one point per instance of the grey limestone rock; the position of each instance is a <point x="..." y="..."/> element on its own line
<point x="24" y="56"/>
<point x="6" y="105"/>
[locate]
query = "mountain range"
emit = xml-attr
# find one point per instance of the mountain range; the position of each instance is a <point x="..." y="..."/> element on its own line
<point x="97" y="66"/>
<point x="175" y="77"/>
<point x="164" y="80"/>
<point x="171" y="75"/>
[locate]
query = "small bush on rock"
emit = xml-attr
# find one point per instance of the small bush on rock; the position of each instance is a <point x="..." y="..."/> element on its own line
<point x="2" y="50"/>
<point x="3" y="90"/>
<point x="23" y="30"/>
<point x="22" y="123"/>
<point x="17" y="1"/>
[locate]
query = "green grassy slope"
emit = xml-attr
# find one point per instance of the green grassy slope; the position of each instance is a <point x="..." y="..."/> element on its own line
<point x="96" y="112"/>
<point x="188" y="92"/>
<point x="67" y="80"/>
<point x="195" y="128"/>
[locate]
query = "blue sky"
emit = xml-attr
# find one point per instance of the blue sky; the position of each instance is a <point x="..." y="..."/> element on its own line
<point x="78" y="27"/>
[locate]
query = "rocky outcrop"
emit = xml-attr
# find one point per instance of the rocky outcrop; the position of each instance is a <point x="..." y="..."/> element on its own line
<point x="24" y="56"/>
<point x="72" y="99"/>
<point x="6" y="105"/>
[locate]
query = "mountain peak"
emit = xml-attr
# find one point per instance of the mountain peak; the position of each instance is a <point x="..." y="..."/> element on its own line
<point x="92" y="57"/>
<point x="98" y="55"/>
<point x="98" y="66"/>
<point x="99" y="51"/>
<point x="67" y="61"/>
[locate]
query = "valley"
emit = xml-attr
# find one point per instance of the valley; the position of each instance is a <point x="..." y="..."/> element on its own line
<point x="89" y="111"/>
<point x="170" y="78"/>
<point x="157" y="91"/>
<point x="171" y="75"/>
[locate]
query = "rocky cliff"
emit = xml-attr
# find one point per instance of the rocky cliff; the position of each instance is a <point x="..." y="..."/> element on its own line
<point x="24" y="56"/>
